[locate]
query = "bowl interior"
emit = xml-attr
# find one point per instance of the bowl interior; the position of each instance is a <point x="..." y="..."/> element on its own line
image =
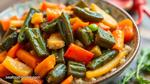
<point x="116" y="12"/>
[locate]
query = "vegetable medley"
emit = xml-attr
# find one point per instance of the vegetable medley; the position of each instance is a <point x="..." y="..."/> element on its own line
<point x="64" y="44"/>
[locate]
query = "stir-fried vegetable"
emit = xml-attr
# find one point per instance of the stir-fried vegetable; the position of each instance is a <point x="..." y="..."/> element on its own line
<point x="16" y="67"/>
<point x="104" y="39"/>
<point x="45" y="66"/>
<point x="55" y="41"/>
<point x="97" y="62"/>
<point x="87" y="15"/>
<point x="59" y="55"/>
<point x="108" y="20"/>
<point x="9" y="41"/>
<point x="85" y="35"/>
<point x="107" y="67"/>
<point x="13" y="50"/>
<point x="79" y="54"/>
<point x="65" y="28"/>
<point x="58" y="44"/>
<point x="35" y="38"/>
<point x="21" y="36"/>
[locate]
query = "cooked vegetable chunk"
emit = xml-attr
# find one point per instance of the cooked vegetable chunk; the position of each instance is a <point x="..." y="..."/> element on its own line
<point x="79" y="54"/>
<point x="56" y="75"/>
<point x="85" y="35"/>
<point x="59" y="55"/>
<point x="16" y="67"/>
<point x="55" y="41"/>
<point x="49" y="27"/>
<point x="107" y="67"/>
<point x="27" y="58"/>
<point x="119" y="38"/>
<point x="76" y="69"/>
<point x="87" y="15"/>
<point x="47" y="64"/>
<point x="104" y="39"/>
<point x="9" y="41"/>
<point x="108" y="20"/>
<point x="65" y="28"/>
<point x="27" y="22"/>
<point x="36" y="40"/>
<point x="97" y="62"/>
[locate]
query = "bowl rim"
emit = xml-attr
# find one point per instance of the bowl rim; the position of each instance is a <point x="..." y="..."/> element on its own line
<point x="134" y="53"/>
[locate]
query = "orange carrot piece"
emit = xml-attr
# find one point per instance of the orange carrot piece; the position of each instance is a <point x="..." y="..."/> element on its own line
<point x="45" y="66"/>
<point x="68" y="80"/>
<point x="78" y="23"/>
<point x="27" y="58"/>
<point x="5" y="24"/>
<point x="119" y="37"/>
<point x="27" y="80"/>
<point x="14" y="17"/>
<point x="3" y="71"/>
<point x="52" y="14"/>
<point x="2" y="56"/>
<point x="13" y="50"/>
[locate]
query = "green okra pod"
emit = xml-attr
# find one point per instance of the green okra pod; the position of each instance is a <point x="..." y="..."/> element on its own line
<point x="97" y="62"/>
<point x="76" y="69"/>
<point x="9" y="41"/>
<point x="35" y="38"/>
<point x="57" y="75"/>
<point x="87" y="15"/>
<point x="65" y="28"/>
<point x="21" y="36"/>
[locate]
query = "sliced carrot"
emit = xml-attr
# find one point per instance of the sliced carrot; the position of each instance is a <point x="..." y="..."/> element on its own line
<point x="45" y="66"/>
<point x="27" y="58"/>
<point x="13" y="50"/>
<point x="79" y="54"/>
<point x="3" y="71"/>
<point x="126" y="26"/>
<point x="5" y="24"/>
<point x="119" y="38"/>
<point x="52" y="14"/>
<point x="14" y="17"/>
<point x="16" y="67"/>
<point x="27" y="80"/>
<point x="2" y="56"/>
<point x="68" y="80"/>
<point x="78" y="23"/>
